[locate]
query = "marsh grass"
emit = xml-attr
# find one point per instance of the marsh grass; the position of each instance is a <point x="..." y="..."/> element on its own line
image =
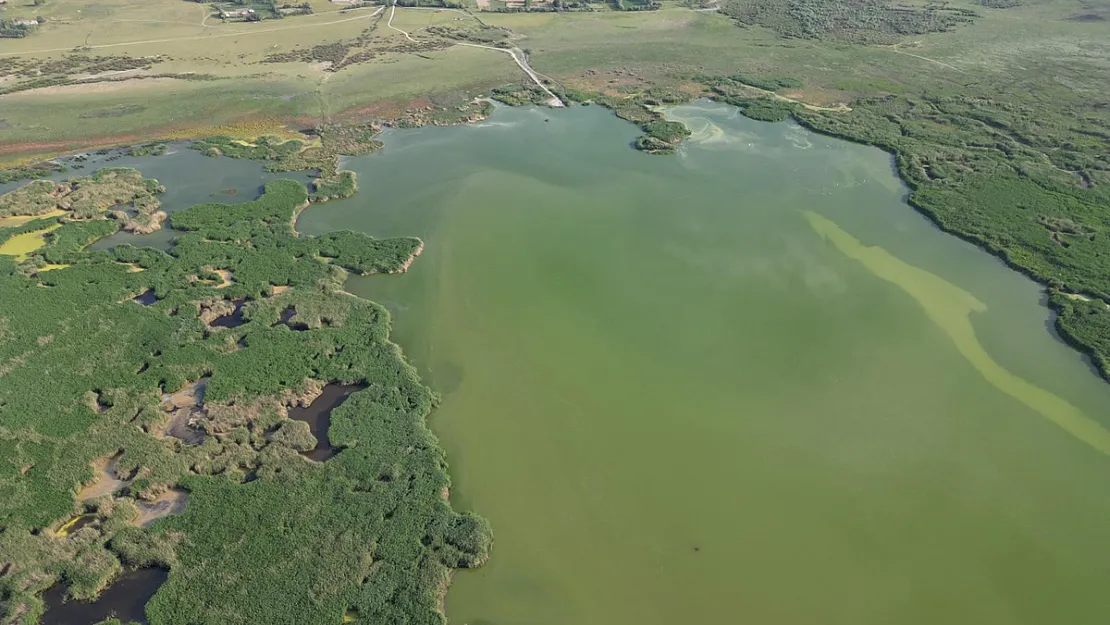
<point x="84" y="366"/>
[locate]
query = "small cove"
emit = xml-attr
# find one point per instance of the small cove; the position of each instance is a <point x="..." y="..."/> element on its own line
<point x="318" y="417"/>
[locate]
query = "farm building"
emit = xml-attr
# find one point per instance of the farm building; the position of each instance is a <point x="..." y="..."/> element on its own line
<point x="236" y="13"/>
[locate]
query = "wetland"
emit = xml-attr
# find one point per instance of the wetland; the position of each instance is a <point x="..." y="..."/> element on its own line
<point x="125" y="600"/>
<point x="745" y="381"/>
<point x="318" y="417"/>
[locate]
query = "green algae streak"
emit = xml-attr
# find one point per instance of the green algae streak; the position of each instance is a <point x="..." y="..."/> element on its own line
<point x="950" y="307"/>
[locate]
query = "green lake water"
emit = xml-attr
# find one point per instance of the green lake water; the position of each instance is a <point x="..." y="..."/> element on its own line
<point x="742" y="384"/>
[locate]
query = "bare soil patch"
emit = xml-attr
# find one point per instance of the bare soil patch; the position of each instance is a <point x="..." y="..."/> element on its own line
<point x="168" y="503"/>
<point x="105" y="480"/>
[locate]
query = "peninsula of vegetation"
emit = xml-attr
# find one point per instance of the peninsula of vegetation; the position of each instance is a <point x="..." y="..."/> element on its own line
<point x="146" y="396"/>
<point x="134" y="379"/>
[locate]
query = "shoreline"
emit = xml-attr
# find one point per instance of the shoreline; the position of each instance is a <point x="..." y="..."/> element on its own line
<point x="418" y="405"/>
<point x="1055" y="305"/>
<point x="412" y="258"/>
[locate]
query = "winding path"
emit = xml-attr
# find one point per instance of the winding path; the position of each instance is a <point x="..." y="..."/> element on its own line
<point x="517" y="54"/>
<point x="392" y="12"/>
<point x="522" y="61"/>
<point x="894" y="48"/>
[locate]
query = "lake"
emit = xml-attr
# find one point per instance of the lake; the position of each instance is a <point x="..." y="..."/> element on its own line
<point x="745" y="383"/>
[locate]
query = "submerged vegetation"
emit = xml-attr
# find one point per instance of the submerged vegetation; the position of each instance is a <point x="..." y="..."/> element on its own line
<point x="120" y="385"/>
<point x="1028" y="181"/>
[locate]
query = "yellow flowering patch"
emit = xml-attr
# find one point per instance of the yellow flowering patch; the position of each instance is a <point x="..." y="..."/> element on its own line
<point x="21" y="245"/>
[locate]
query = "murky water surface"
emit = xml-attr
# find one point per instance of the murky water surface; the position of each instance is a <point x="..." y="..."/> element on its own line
<point x="125" y="600"/>
<point x="743" y="384"/>
<point x="318" y="417"/>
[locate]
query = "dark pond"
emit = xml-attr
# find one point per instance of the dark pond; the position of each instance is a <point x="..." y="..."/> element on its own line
<point x="318" y="417"/>
<point x="125" y="600"/>
<point x="234" y="320"/>
<point x="146" y="298"/>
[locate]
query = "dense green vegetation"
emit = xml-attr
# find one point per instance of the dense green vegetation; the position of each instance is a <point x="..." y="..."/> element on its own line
<point x="148" y="149"/>
<point x="846" y="20"/>
<point x="11" y="29"/>
<point x="267" y="536"/>
<point x="643" y="109"/>
<point x="22" y="74"/>
<point x="39" y="170"/>
<point x="120" y="193"/>
<point x="281" y="155"/>
<point x="519" y="94"/>
<point x="661" y="136"/>
<point x="341" y="185"/>
<point x="734" y="90"/>
<point x="262" y="149"/>
<point x="74" y="63"/>
<point x="767" y="84"/>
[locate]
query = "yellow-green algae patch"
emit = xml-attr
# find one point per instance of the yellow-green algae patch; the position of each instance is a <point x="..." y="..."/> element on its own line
<point x="21" y="245"/>
<point x="950" y="307"/>
<point x="68" y="526"/>
<point x="14" y="222"/>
